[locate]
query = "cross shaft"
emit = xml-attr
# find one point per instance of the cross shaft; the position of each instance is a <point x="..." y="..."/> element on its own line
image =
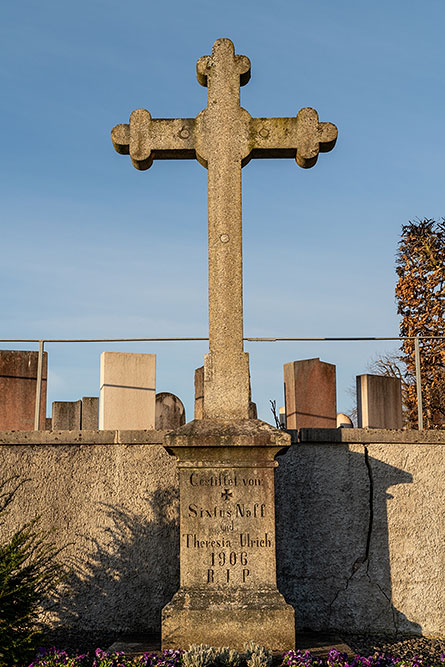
<point x="223" y="138"/>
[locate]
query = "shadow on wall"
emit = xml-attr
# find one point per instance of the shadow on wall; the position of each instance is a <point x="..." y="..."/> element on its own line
<point x="333" y="560"/>
<point x="129" y="575"/>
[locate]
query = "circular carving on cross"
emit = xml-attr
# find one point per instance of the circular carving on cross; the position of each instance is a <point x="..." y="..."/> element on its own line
<point x="264" y="132"/>
<point x="224" y="238"/>
<point x="184" y="133"/>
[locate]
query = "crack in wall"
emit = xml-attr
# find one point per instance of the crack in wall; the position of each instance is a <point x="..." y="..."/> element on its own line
<point x="371" y="508"/>
<point x="365" y="558"/>
<point x="367" y="549"/>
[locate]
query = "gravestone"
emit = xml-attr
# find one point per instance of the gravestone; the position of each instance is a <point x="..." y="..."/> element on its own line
<point x="228" y="592"/>
<point x="379" y="401"/>
<point x="66" y="415"/>
<point x="18" y="383"/>
<point x="170" y="411"/>
<point x="344" y="421"/>
<point x="310" y="394"/>
<point x="90" y="413"/>
<point x="199" y="392"/>
<point x="127" y="390"/>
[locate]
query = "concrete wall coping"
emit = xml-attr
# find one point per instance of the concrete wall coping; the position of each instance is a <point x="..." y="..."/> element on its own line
<point x="368" y="436"/>
<point x="151" y="437"/>
<point x="84" y="437"/>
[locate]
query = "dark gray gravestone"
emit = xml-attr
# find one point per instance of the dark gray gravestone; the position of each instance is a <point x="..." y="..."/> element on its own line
<point x="66" y="415"/>
<point x="90" y="413"/>
<point x="169" y="412"/>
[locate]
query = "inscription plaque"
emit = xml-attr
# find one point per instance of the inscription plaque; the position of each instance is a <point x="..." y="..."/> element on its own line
<point x="227" y="526"/>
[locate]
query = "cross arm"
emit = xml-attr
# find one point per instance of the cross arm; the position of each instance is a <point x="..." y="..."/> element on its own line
<point x="302" y="137"/>
<point x="146" y="139"/>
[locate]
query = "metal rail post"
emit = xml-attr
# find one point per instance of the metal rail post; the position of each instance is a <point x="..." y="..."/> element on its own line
<point x="39" y="387"/>
<point x="418" y="384"/>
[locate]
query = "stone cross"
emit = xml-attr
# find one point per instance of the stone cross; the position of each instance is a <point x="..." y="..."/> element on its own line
<point x="223" y="138"/>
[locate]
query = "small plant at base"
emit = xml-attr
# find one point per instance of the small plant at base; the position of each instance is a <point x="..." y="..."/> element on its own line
<point x="53" y="657"/>
<point x="169" y="658"/>
<point x="227" y="657"/>
<point x="337" y="659"/>
<point x="257" y="656"/>
<point x="199" y="655"/>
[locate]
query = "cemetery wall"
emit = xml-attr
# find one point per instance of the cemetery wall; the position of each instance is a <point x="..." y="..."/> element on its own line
<point x="360" y="526"/>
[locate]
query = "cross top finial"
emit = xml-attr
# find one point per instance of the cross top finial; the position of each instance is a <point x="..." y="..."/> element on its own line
<point x="223" y="56"/>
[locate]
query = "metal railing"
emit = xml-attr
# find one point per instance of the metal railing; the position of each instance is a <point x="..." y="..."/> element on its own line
<point x="274" y="339"/>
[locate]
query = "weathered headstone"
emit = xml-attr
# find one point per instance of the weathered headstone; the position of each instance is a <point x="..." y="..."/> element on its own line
<point x="310" y="394"/>
<point x="90" y="413"/>
<point x="228" y="592"/>
<point x="199" y="392"/>
<point x="66" y="415"/>
<point x="170" y="411"/>
<point x="18" y="383"/>
<point x="127" y="390"/>
<point x="343" y="421"/>
<point x="379" y="401"/>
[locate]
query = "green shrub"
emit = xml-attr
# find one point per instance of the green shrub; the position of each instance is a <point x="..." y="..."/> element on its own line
<point x="28" y="574"/>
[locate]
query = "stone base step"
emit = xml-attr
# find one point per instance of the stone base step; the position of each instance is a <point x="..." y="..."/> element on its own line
<point x="319" y="644"/>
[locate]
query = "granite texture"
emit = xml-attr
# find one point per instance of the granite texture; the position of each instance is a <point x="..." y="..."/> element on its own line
<point x="223" y="138"/>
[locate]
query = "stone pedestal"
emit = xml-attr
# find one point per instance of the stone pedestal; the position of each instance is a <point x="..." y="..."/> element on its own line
<point x="228" y="593"/>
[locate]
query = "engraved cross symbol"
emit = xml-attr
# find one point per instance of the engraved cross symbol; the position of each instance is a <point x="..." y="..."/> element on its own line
<point x="226" y="494"/>
<point x="224" y="138"/>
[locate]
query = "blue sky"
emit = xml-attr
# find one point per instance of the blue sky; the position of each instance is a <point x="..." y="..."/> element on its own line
<point x="92" y="248"/>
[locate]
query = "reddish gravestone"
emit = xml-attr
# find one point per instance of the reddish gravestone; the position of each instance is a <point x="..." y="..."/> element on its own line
<point x="310" y="394"/>
<point x="18" y="381"/>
